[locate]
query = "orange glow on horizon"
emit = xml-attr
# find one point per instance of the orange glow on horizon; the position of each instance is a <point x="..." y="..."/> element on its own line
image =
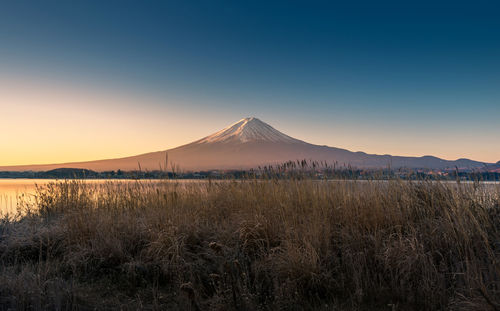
<point x="45" y="123"/>
<point x="56" y="124"/>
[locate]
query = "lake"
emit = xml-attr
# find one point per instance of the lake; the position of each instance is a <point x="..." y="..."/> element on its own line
<point x="12" y="189"/>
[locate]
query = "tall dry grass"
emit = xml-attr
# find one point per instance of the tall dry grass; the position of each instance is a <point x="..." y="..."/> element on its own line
<point x="254" y="245"/>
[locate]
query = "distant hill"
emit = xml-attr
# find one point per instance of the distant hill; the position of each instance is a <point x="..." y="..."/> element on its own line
<point x="250" y="143"/>
<point x="494" y="168"/>
<point x="68" y="173"/>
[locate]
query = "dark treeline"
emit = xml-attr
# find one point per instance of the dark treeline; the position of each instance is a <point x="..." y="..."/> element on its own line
<point x="323" y="170"/>
<point x="292" y="169"/>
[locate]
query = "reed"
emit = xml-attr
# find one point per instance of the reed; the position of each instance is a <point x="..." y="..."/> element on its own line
<point x="254" y="244"/>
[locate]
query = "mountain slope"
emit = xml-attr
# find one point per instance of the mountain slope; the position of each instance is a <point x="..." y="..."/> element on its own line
<point x="250" y="143"/>
<point x="248" y="130"/>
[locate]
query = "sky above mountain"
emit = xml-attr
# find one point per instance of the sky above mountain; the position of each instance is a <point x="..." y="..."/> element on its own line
<point x="85" y="80"/>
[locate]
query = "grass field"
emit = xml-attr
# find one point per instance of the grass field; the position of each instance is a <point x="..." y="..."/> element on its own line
<point x="272" y="244"/>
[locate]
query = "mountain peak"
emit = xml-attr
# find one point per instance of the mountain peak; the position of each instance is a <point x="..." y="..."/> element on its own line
<point x="247" y="130"/>
<point x="249" y="119"/>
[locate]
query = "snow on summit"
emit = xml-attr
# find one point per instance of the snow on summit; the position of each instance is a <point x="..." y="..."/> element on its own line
<point x="251" y="143"/>
<point x="248" y="130"/>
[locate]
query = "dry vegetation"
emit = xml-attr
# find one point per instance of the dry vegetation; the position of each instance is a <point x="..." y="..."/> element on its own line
<point x="254" y="245"/>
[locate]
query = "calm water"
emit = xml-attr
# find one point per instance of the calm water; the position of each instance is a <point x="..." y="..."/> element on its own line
<point x="12" y="189"/>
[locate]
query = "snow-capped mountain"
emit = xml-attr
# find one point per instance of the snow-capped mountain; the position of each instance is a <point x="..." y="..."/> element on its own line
<point x="250" y="143"/>
<point x="247" y="130"/>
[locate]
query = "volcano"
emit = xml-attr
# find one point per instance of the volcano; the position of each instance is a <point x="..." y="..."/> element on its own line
<point x="250" y="143"/>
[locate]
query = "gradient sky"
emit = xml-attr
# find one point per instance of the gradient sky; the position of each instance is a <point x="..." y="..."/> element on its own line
<point x="85" y="80"/>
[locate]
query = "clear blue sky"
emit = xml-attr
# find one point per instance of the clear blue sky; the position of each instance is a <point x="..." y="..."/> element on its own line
<point x="379" y="76"/>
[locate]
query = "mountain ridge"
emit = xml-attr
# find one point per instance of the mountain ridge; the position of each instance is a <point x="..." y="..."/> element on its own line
<point x="248" y="129"/>
<point x="250" y="143"/>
